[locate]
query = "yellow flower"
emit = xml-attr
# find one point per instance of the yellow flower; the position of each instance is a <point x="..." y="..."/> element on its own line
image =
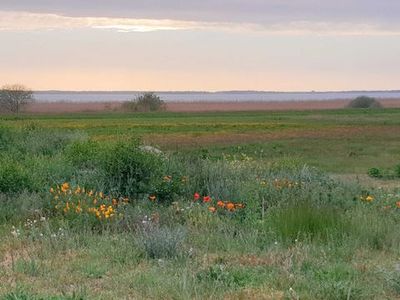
<point x="369" y="198"/>
<point x="65" y="187"/>
<point x="78" y="190"/>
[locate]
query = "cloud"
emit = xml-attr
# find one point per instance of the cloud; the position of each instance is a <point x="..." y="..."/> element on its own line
<point x="28" y="21"/>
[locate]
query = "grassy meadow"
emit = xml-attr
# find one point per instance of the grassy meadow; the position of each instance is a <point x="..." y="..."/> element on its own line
<point x="235" y="205"/>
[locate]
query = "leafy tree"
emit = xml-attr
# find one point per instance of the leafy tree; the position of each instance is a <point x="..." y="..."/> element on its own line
<point x="146" y="102"/>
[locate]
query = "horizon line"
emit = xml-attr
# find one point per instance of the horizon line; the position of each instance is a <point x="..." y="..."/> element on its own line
<point x="215" y="92"/>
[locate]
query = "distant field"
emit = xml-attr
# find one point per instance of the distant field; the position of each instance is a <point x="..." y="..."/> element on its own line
<point x="340" y="141"/>
<point x="194" y="106"/>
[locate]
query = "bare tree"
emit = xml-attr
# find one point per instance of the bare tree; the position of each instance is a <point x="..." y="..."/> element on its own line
<point x="14" y="97"/>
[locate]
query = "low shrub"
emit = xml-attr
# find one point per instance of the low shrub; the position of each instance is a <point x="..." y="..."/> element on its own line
<point x="364" y="102"/>
<point x="161" y="242"/>
<point x="144" y="103"/>
<point x="375" y="172"/>
<point x="20" y="206"/>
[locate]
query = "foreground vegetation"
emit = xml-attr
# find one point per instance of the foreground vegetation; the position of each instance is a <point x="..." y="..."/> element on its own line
<point x="88" y="212"/>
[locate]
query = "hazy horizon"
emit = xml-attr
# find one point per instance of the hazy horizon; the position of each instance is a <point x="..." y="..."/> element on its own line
<point x="219" y="45"/>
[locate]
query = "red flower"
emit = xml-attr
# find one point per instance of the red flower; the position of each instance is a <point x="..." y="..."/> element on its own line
<point x="206" y="199"/>
<point x="196" y="196"/>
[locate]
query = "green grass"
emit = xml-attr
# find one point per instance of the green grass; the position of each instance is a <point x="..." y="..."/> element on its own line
<point x="341" y="141"/>
<point x="306" y="232"/>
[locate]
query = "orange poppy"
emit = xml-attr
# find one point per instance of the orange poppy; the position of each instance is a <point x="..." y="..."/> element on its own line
<point x="230" y="206"/>
<point x="212" y="209"/>
<point x="221" y="203"/>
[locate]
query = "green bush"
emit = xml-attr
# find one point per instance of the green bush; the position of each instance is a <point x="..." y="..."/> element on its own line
<point x="127" y="170"/>
<point x="375" y="172"/>
<point x="13" y="177"/>
<point x="144" y="103"/>
<point x="365" y="102"/>
<point x="167" y="189"/>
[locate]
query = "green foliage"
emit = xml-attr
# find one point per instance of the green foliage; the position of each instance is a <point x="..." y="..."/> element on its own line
<point x="391" y="173"/>
<point x="13" y="177"/>
<point x="127" y="170"/>
<point x="364" y="102"/>
<point x="397" y="170"/>
<point x="375" y="172"/>
<point x="83" y="154"/>
<point x="145" y="103"/>
<point x="303" y="221"/>
<point x="167" y="189"/>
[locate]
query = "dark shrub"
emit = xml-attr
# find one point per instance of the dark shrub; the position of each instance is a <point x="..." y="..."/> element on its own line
<point x="127" y="170"/>
<point x="364" y="102"/>
<point x="375" y="172"/>
<point x="144" y="103"/>
<point x="397" y="171"/>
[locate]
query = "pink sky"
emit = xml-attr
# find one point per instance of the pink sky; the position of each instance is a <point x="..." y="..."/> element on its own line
<point x="211" y="45"/>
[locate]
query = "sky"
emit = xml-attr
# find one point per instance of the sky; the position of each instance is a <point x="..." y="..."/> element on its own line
<point x="182" y="45"/>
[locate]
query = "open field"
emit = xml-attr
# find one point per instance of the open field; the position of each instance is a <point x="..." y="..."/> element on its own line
<point x="239" y="205"/>
<point x="73" y="107"/>
<point x="339" y="141"/>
